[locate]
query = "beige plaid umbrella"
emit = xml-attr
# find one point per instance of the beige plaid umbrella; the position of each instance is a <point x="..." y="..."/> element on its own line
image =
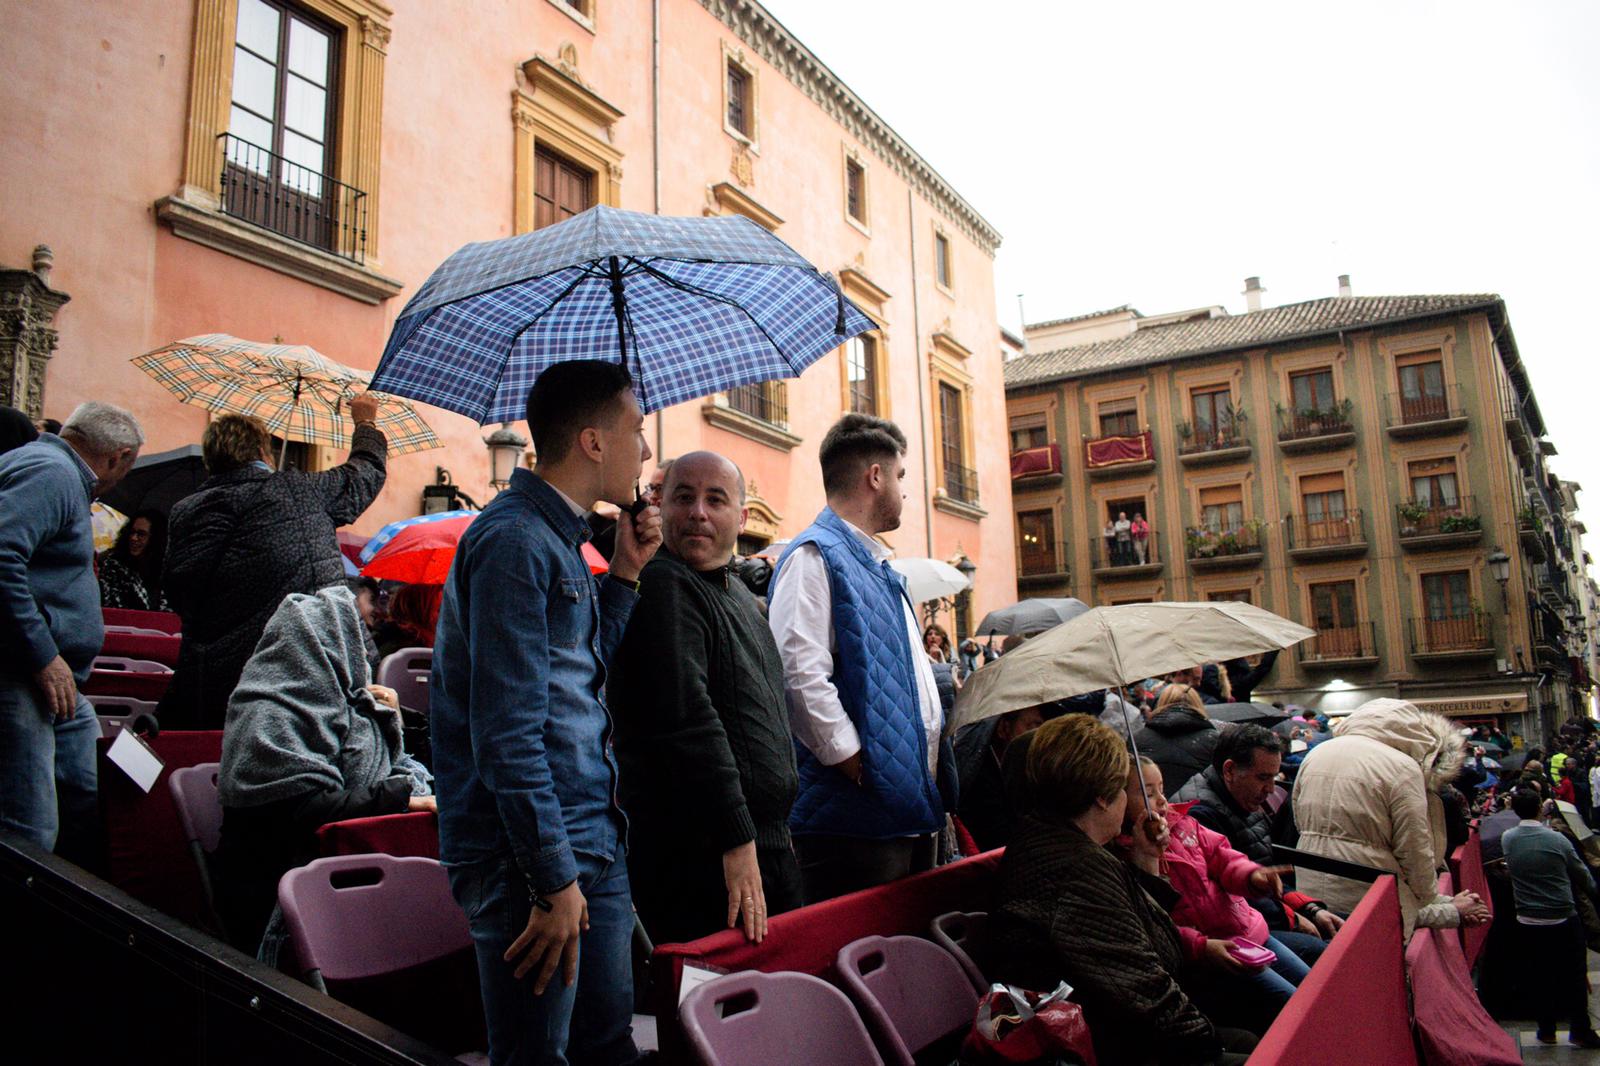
<point x="299" y="393"/>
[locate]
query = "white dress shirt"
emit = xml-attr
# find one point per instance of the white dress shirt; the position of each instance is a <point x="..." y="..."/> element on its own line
<point x="801" y="615"/>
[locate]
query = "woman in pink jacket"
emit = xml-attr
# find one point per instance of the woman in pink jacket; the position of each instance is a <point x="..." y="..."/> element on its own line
<point x="1212" y="882"/>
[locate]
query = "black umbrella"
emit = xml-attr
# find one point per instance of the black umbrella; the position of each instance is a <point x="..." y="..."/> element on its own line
<point x="1030" y="617"/>
<point x="1240" y="713"/>
<point x="158" y="481"/>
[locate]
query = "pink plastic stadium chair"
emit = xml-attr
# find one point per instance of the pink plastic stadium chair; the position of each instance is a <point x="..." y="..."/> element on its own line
<point x="133" y="666"/>
<point x="774" y="1019"/>
<point x="965" y="935"/>
<point x="406" y="671"/>
<point x="911" y="992"/>
<point x="194" y="793"/>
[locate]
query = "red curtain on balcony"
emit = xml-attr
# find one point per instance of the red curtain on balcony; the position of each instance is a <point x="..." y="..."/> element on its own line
<point x="1033" y="461"/>
<point x="1110" y="451"/>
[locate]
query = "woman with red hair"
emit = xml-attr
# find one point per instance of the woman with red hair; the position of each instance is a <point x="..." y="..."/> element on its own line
<point x="413" y="615"/>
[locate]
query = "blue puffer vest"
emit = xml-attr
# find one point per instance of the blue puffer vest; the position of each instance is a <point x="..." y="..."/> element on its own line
<point x="877" y="684"/>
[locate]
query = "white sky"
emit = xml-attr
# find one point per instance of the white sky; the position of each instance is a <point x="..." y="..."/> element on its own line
<point x="1157" y="153"/>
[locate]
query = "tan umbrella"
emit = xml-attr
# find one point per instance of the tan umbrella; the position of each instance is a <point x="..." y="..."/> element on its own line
<point x="1108" y="647"/>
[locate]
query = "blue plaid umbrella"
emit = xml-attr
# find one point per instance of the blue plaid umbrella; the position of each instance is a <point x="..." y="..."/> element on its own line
<point x="690" y="306"/>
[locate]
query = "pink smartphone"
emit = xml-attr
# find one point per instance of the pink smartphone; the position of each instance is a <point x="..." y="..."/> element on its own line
<point x="1250" y="953"/>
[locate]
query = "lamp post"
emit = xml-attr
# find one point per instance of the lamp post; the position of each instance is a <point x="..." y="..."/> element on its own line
<point x="967" y="568"/>
<point x="1500" y="569"/>
<point x="505" y="452"/>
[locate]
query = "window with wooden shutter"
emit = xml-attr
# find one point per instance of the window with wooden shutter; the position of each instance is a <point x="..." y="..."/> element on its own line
<point x="1222" y="508"/>
<point x="1118" y="418"/>
<point x="1029" y="431"/>
<point x="561" y="188"/>
<point x="941" y="259"/>
<point x="1213" y="413"/>
<point x="741" y="103"/>
<point x="1433" y="482"/>
<point x="855" y="190"/>
<point x="861" y="371"/>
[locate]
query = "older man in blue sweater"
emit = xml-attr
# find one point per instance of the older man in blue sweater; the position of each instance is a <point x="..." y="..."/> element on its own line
<point x="50" y="614"/>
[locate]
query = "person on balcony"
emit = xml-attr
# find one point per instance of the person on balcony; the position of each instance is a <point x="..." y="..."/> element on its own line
<point x="1109" y="535"/>
<point x="1123" y="530"/>
<point x="1139" y="531"/>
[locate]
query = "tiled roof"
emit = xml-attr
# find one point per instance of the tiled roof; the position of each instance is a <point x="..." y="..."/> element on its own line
<point x="1275" y="325"/>
<point x="1084" y="318"/>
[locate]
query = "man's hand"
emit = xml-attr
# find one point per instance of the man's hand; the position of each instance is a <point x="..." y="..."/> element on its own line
<point x="1473" y="910"/>
<point x="551" y="939"/>
<point x="743" y="877"/>
<point x="1217" y="956"/>
<point x="1268" y="880"/>
<point x="637" y="540"/>
<point x="851" y="768"/>
<point x="364" y="408"/>
<point x="1302" y="924"/>
<point x="1327" y="923"/>
<point x="385" y="695"/>
<point x="59" y="690"/>
<point x="423" y="803"/>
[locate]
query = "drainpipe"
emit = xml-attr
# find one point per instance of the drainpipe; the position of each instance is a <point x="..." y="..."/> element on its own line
<point x="922" y="385"/>
<point x="655" y="161"/>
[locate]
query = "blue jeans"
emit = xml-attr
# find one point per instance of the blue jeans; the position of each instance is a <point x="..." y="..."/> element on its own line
<point x="48" y="766"/>
<point x="1309" y="948"/>
<point x="594" y="1016"/>
<point x="1249" y="1001"/>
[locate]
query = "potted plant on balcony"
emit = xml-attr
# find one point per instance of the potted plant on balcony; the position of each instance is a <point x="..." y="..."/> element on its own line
<point x="1200" y="542"/>
<point x="1311" y="419"/>
<point x="1411" y="514"/>
<point x="1456" y="522"/>
<point x="1185" y="433"/>
<point x="1346" y="409"/>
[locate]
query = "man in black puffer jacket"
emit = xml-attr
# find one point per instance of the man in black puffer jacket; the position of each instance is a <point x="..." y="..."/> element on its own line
<point x="1178" y="737"/>
<point x="244" y="541"/>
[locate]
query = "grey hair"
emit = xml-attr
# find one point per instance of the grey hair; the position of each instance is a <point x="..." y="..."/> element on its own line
<point x="104" y="428"/>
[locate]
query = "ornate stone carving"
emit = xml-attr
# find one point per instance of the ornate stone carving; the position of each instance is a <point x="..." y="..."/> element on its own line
<point x="375" y="34"/>
<point x="523" y="118"/>
<point x="28" y="307"/>
<point x="567" y="57"/>
<point x="742" y="167"/>
<point x="615" y="170"/>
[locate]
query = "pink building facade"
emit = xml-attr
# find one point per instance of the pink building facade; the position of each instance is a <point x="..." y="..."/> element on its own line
<point x="133" y="151"/>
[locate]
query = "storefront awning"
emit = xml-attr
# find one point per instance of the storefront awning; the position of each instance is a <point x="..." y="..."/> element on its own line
<point x="1476" y="706"/>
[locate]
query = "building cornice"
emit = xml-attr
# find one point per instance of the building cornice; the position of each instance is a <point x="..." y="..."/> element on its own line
<point x="784" y="52"/>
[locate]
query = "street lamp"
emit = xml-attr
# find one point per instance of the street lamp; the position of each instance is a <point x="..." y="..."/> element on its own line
<point x="964" y="597"/>
<point x="1500" y="569"/>
<point x="505" y="452"/>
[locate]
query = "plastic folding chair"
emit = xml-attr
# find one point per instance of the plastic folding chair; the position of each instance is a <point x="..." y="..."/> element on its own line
<point x="965" y="935"/>
<point x="132" y="666"/>
<point x="911" y="992"/>
<point x="383" y="934"/>
<point x="118" y="712"/>
<point x="199" y="803"/>
<point x="407" y="671"/>
<point x="775" y="1019"/>
<point x="137" y="631"/>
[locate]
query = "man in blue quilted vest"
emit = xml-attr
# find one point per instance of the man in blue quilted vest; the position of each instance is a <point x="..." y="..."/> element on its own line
<point x="863" y="705"/>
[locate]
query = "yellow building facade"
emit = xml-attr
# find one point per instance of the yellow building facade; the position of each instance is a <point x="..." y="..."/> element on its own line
<point x="1368" y="466"/>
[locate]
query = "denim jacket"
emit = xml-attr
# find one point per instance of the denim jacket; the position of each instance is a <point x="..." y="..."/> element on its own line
<point x="521" y="733"/>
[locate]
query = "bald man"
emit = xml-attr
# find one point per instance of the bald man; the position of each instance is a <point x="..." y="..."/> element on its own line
<point x="707" y="769"/>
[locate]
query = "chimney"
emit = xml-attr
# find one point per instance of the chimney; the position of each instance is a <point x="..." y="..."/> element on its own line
<point x="1344" y="286"/>
<point x="1252" y="294"/>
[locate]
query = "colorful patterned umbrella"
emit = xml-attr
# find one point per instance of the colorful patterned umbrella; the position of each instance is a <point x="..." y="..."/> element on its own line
<point x="690" y="306"/>
<point x="419" y="550"/>
<point x="106" y="522"/>
<point x="299" y="393"/>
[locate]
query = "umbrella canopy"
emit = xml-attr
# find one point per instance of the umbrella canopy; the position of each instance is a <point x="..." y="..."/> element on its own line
<point x="378" y="540"/>
<point x="106" y="522"/>
<point x="1108" y="647"/>
<point x="298" y="392"/>
<point x="1030" y="616"/>
<point x="158" y="481"/>
<point x="690" y="306"/>
<point x="421" y="550"/>
<point x="1241" y="713"/>
<point x="930" y="579"/>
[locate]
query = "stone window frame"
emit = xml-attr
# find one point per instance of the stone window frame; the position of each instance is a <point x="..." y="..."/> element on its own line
<point x="946" y="285"/>
<point x="580" y="11"/>
<point x="870" y="298"/>
<point x="195" y="211"/>
<point x="948" y="362"/>
<point x="734" y="56"/>
<point x="554" y="108"/>
<point x="850" y="154"/>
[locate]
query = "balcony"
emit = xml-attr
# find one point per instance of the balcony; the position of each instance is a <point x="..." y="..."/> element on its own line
<point x="1517" y="431"/>
<point x="1326" y="536"/>
<point x="1340" y="646"/>
<point x="1314" y="430"/>
<point x="960" y="483"/>
<point x="1467" y="636"/>
<point x="1114" y="561"/>
<point x="1551" y="582"/>
<point x="1428" y="415"/>
<point x="1213" y="444"/>
<point x="1223" y="549"/>
<point x="1036" y="466"/>
<point x="759" y="412"/>
<point x="1531" y="536"/>
<point x="1426" y="526"/>
<point x="1117" y="456"/>
<point x="1549" y="634"/>
<point x="267" y="190"/>
<point x="1042" y="564"/>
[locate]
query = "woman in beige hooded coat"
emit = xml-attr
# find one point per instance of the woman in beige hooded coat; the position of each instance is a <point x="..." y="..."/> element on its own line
<point x="1370" y="796"/>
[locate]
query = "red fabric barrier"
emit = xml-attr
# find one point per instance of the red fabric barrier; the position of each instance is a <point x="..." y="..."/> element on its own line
<point x="126" y="683"/>
<point x="1467" y="866"/>
<point x="1352" y="1009"/>
<point x="385" y="834"/>
<point x="163" y="650"/>
<point x="808" y="939"/>
<point x="1031" y="462"/>
<point x="165" y="621"/>
<point x="146" y="853"/>
<point x="1111" y="451"/>
<point x="1453" y="1029"/>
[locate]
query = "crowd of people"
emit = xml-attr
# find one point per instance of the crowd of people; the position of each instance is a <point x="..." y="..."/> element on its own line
<point x="706" y="744"/>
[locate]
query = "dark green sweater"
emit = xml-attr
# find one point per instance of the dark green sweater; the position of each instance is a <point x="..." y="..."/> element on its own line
<point x="702" y="730"/>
